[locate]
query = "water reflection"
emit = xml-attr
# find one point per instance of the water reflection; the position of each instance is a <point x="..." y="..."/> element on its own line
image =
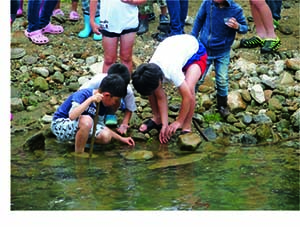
<point x="223" y="178"/>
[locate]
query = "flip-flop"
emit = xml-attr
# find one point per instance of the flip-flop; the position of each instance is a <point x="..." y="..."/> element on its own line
<point x="151" y="125"/>
<point x="36" y="37"/>
<point x="74" y="16"/>
<point x="53" y="29"/>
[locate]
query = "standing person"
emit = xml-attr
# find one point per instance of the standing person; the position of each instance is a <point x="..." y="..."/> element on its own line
<point x="216" y="25"/>
<point x="182" y="66"/>
<point x="87" y="30"/>
<point x="266" y="37"/>
<point x="73" y="120"/>
<point x="119" y="24"/>
<point x="128" y="106"/>
<point x="38" y="25"/>
<point x="178" y="10"/>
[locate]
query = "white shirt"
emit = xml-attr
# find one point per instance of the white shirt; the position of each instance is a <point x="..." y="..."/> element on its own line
<point x="172" y="54"/>
<point x="117" y="16"/>
<point x="95" y="82"/>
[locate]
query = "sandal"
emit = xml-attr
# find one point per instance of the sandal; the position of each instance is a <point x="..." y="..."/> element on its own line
<point x="74" y="16"/>
<point x="53" y="29"/>
<point x="58" y="12"/>
<point x="183" y="132"/>
<point x="151" y="125"/>
<point x="36" y="37"/>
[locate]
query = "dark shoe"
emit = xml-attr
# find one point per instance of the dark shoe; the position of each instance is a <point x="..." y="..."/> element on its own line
<point x="143" y="26"/>
<point x="224" y="111"/>
<point x="253" y="42"/>
<point x="151" y="16"/>
<point x="164" y="19"/>
<point x="222" y="106"/>
<point x="270" y="45"/>
<point x="165" y="28"/>
<point x="162" y="36"/>
<point x="151" y="125"/>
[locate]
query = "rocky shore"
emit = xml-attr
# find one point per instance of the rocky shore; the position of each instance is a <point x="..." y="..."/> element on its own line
<point x="264" y="97"/>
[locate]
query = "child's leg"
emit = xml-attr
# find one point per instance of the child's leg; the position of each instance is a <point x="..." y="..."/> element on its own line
<point x="192" y="76"/>
<point x="85" y="125"/>
<point x="221" y="67"/>
<point x="110" y="46"/>
<point x="126" y="49"/>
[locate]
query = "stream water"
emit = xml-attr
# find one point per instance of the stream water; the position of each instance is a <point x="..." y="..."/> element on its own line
<point x="220" y="178"/>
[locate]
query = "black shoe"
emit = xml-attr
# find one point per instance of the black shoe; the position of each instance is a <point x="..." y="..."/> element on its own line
<point x="253" y="42"/>
<point x="164" y="19"/>
<point x="270" y="45"/>
<point x="161" y="37"/>
<point x="151" y="16"/>
<point x="143" y="26"/>
<point x="224" y="111"/>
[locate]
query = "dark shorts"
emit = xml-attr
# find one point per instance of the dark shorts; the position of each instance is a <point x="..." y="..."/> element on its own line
<point x="113" y="34"/>
<point x="199" y="59"/>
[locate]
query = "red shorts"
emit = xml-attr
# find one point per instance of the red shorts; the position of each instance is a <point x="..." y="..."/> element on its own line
<point x="196" y="59"/>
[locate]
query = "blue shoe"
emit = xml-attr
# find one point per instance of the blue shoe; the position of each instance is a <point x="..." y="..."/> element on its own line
<point x="111" y="120"/>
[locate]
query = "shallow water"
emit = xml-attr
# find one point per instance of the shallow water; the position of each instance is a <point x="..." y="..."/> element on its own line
<point x="223" y="178"/>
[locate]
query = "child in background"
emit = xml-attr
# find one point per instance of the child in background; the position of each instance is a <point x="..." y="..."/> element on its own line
<point x="129" y="99"/>
<point x="73" y="120"/>
<point x="216" y="25"/>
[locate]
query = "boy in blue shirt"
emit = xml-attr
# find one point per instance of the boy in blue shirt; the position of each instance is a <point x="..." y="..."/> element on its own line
<point x="73" y="120"/>
<point x="216" y="25"/>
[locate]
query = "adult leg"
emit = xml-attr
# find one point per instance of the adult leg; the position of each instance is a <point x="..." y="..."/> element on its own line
<point x="275" y="7"/>
<point x="184" y="7"/>
<point x="126" y="49"/>
<point x="110" y="47"/>
<point x="33" y="15"/>
<point x="175" y="20"/>
<point x="46" y="13"/>
<point x="263" y="19"/>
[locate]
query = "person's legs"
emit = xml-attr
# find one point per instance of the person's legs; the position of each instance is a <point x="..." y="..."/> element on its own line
<point x="110" y="47"/>
<point x="74" y="16"/>
<point x="126" y="49"/>
<point x="85" y="124"/>
<point x="184" y="7"/>
<point x="33" y="15"/>
<point x="14" y="5"/>
<point x="46" y="13"/>
<point x="192" y="75"/>
<point x="263" y="19"/>
<point x="221" y="66"/>
<point x="175" y="20"/>
<point x="275" y="7"/>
